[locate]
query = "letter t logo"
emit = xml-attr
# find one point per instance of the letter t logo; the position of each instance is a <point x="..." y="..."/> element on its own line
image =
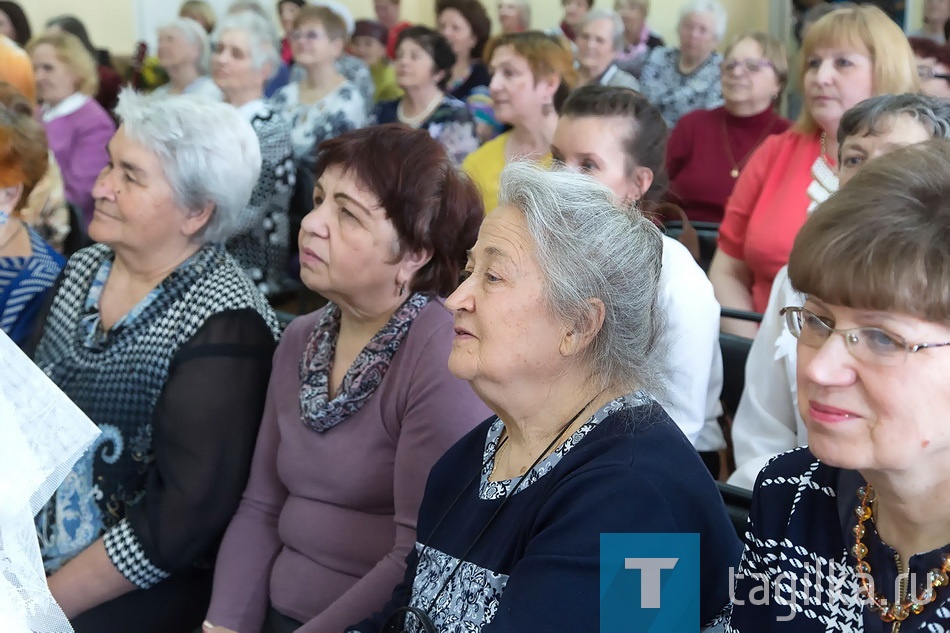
<point x="649" y="578"/>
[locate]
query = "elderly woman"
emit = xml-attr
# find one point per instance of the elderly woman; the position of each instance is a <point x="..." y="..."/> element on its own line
<point x="514" y="16"/>
<point x="559" y="338"/>
<point x="933" y="66"/>
<point x="767" y="421"/>
<point x="848" y="55"/>
<point x="360" y="387"/>
<point x="598" y="43"/>
<point x="78" y="128"/>
<point x="424" y="59"/>
<point x="14" y="23"/>
<point x="28" y="265"/>
<point x="466" y="26"/>
<point x="619" y="138"/>
<point x="638" y="39"/>
<point x="708" y="149"/>
<point x="157" y="335"/>
<point x="532" y="74"/>
<point x="680" y="80"/>
<point x="866" y="501"/>
<point x="244" y="55"/>
<point x="184" y="54"/>
<point x="287" y="12"/>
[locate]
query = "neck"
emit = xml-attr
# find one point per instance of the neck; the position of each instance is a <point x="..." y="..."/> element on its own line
<point x="463" y="64"/>
<point x="689" y="63"/>
<point x="320" y="75"/>
<point x="933" y="27"/>
<point x="8" y="234"/>
<point x="148" y="269"/>
<point x="360" y="321"/>
<point x="181" y="76"/>
<point x="418" y="99"/>
<point x="237" y="98"/>
<point x="632" y="39"/>
<point x="746" y="108"/>
<point x="535" y="137"/>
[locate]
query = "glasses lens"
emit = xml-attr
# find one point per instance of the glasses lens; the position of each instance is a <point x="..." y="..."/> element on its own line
<point x="874" y="345"/>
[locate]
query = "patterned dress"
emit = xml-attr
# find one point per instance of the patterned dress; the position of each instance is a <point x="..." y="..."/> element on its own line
<point x="24" y="282"/>
<point x="676" y="94"/>
<point x="452" y="124"/>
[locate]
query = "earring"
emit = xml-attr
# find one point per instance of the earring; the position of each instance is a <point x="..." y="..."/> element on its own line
<point x="402" y="289"/>
<point x="547" y="109"/>
<point x="774" y="96"/>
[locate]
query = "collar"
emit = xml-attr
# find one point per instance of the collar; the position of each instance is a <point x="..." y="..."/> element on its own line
<point x="251" y="108"/>
<point x="607" y="75"/>
<point x="65" y="107"/>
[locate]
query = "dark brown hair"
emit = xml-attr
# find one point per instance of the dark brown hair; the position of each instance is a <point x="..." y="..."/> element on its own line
<point x="21" y="25"/>
<point x="474" y="13"/>
<point x="433" y="43"/>
<point x="433" y="206"/>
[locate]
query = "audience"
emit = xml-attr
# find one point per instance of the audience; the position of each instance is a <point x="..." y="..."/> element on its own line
<point x="598" y="43"/>
<point x="245" y="54"/>
<point x="514" y="16"/>
<point x="936" y="16"/>
<point x="848" y="56"/>
<point x="638" y="39"/>
<point x="532" y="73"/>
<point x="360" y="387"/>
<point x="619" y="138"/>
<point x="868" y="494"/>
<point x="574" y="12"/>
<point x="77" y="126"/>
<point x="680" y="80"/>
<point x="157" y="335"/>
<point x="28" y="265"/>
<point x="387" y="12"/>
<point x="933" y="66"/>
<point x="767" y="421"/>
<point x="466" y="26"/>
<point x="287" y="12"/>
<point x="199" y="11"/>
<point x="708" y="149"/>
<point x="109" y="80"/>
<point x="369" y="45"/>
<point x="323" y="104"/>
<point x="184" y="53"/>
<point x="424" y="60"/>
<point x="575" y="438"/>
<point x="13" y="23"/>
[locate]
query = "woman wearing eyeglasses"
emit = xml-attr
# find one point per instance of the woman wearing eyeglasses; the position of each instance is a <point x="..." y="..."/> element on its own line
<point x="854" y="530"/>
<point x="708" y="148"/>
<point x="933" y="66"/>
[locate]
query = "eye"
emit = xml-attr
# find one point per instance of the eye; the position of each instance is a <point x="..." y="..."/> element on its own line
<point x="843" y="62"/>
<point x="852" y="161"/>
<point x="879" y="341"/>
<point x="589" y="166"/>
<point x="317" y="199"/>
<point x="491" y="278"/>
<point x="814" y="63"/>
<point x="344" y="212"/>
<point x="816" y="324"/>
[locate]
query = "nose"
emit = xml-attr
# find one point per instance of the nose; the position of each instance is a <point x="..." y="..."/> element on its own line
<point x="104" y="187"/>
<point x="830" y="365"/>
<point x="462" y="298"/>
<point x="824" y="72"/>
<point x="495" y="83"/>
<point x="315" y="222"/>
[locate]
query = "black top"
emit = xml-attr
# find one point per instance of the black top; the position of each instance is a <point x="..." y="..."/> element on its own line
<point x="479" y="76"/>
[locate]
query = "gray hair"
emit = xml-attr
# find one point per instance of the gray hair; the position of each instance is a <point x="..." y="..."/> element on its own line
<point x="588" y="247"/>
<point x="866" y="117"/>
<point x="261" y="35"/>
<point x="524" y="8"/>
<point x="196" y="36"/>
<point x="713" y="7"/>
<point x="602" y="14"/>
<point x="208" y="151"/>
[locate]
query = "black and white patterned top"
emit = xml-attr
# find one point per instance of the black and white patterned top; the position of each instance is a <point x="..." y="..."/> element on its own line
<point x="676" y="94"/>
<point x="186" y="376"/>
<point x="262" y="245"/>
<point x="797" y="573"/>
<point x="355" y="71"/>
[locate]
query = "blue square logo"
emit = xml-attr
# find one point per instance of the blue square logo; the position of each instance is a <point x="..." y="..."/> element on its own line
<point x="649" y="583"/>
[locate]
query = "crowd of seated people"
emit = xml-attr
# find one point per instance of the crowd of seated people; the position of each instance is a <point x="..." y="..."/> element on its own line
<point x="515" y="354"/>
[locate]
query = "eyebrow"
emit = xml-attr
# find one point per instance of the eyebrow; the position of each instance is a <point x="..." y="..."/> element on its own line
<point x="130" y="167"/>
<point x="490" y="252"/>
<point x="354" y="202"/>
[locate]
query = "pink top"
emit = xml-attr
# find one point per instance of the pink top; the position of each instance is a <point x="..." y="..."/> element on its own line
<point x="768" y="206"/>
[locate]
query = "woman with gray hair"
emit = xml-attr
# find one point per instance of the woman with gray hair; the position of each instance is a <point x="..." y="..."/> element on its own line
<point x="157" y="335"/>
<point x="767" y="421"/>
<point x="680" y="80"/>
<point x="598" y="43"/>
<point x="639" y="38"/>
<point x="514" y="16"/>
<point x="556" y="324"/>
<point x="244" y="56"/>
<point x="184" y="53"/>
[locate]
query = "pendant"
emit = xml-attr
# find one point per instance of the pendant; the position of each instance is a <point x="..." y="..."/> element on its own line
<point x="735" y="172"/>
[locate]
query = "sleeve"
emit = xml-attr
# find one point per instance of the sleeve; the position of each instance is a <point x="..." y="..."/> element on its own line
<point x="712" y="98"/>
<point x="205" y="425"/>
<point x="745" y="198"/>
<point x="440" y="409"/>
<point x="89" y="156"/>
<point x="650" y="78"/>
<point x="765" y="423"/>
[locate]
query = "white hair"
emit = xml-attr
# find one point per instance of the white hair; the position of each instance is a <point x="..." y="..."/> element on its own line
<point x="588" y="247"/>
<point x="261" y="36"/>
<point x="616" y="21"/>
<point x="712" y="7"/>
<point x="524" y="8"/>
<point x="208" y="150"/>
<point x="341" y="10"/>
<point x="196" y="36"/>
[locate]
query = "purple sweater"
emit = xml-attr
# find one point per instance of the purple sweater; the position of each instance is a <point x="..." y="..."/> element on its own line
<point x="327" y="519"/>
<point x="79" y="141"/>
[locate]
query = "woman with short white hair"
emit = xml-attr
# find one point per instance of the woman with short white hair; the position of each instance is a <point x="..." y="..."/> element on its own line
<point x="158" y="336"/>
<point x="680" y="80"/>
<point x="184" y="53"/>
<point x="598" y="43"/>
<point x="244" y="56"/>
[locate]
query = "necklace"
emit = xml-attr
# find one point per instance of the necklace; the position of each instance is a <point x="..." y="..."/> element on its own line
<point x="738" y="165"/>
<point x="415" y="121"/>
<point x="890" y="611"/>
<point x="13" y="235"/>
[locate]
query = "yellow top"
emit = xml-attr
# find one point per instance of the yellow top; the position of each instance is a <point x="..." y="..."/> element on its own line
<point x="484" y="167"/>
<point x="384" y="77"/>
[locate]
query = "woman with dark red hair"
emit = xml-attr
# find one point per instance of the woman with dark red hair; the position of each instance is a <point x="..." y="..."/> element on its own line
<point x="933" y="66"/>
<point x="361" y="402"/>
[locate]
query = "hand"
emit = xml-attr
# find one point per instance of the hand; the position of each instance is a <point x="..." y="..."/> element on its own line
<point x="207" y="627"/>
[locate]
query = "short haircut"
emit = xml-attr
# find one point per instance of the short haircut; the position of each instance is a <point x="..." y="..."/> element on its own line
<point x="200" y="11"/>
<point x="332" y="23"/>
<point x="588" y="247"/>
<point x="24" y="155"/>
<point x="643" y="4"/>
<point x="546" y="55"/>
<point x="867" y="117"/>
<point x="71" y="52"/>
<point x="437" y="47"/>
<point x="893" y="65"/>
<point x="208" y="150"/>
<point x="432" y="205"/>
<point x="880" y="242"/>
<point x="21" y="25"/>
<point x="645" y="143"/>
<point x="195" y="34"/>
<point x="617" y="32"/>
<point x="713" y="7"/>
<point x="261" y="37"/>
<point x="772" y="49"/>
<point x="474" y="13"/>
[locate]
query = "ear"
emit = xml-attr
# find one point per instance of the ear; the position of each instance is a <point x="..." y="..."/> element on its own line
<point x="338" y="46"/>
<point x="585" y="330"/>
<point x="547" y="86"/>
<point x="638" y="183"/>
<point x="410" y="264"/>
<point x="9" y="197"/>
<point x="197" y="220"/>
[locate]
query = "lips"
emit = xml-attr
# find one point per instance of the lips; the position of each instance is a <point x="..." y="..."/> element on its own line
<point x="828" y="414"/>
<point x="308" y="256"/>
<point x="461" y="332"/>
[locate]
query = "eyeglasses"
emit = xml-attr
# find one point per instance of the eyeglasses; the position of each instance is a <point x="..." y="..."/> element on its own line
<point x="310" y="36"/>
<point x="870" y="345"/>
<point x="927" y="73"/>
<point x="751" y="65"/>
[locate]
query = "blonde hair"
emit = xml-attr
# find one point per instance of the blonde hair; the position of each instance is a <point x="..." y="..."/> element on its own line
<point x="772" y="49"/>
<point x="71" y="52"/>
<point x="195" y="9"/>
<point x="893" y="66"/>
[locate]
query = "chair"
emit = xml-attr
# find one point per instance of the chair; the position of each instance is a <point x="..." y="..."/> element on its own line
<point x="738" y="504"/>
<point x="707" y="234"/>
<point x="735" y="352"/>
<point x="77" y="238"/>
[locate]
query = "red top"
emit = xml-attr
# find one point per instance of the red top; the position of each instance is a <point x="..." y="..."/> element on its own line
<point x="286" y="54"/>
<point x="768" y="206"/>
<point x="699" y="163"/>
<point x="393" y="36"/>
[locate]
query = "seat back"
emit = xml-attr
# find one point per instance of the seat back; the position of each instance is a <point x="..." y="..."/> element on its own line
<point x="707" y="235"/>
<point x="735" y="351"/>
<point x="738" y="504"/>
<point x="77" y="238"/>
